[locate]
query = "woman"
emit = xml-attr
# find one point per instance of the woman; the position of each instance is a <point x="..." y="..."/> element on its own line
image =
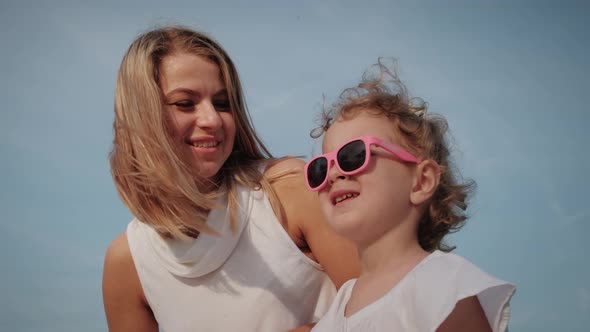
<point x="225" y="236"/>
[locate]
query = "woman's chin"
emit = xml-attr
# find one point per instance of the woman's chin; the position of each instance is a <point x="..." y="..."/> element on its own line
<point x="208" y="170"/>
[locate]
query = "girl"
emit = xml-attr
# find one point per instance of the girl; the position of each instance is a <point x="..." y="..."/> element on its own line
<point x="225" y="237"/>
<point x="385" y="182"/>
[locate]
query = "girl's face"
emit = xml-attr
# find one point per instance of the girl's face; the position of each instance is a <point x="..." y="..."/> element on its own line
<point x="199" y="110"/>
<point x="364" y="206"/>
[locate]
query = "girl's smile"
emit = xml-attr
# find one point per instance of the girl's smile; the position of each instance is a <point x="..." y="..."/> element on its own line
<point x="358" y="205"/>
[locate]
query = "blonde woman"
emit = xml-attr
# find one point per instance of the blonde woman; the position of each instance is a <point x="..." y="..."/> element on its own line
<point x="225" y="237"/>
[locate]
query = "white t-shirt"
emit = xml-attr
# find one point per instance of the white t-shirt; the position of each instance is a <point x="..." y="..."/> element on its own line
<point x="254" y="279"/>
<point x="423" y="299"/>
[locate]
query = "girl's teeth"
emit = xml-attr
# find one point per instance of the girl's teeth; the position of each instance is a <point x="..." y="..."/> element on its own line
<point x="345" y="196"/>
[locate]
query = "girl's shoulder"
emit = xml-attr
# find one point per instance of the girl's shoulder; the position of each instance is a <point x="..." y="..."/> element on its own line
<point x="446" y="278"/>
<point x="441" y="268"/>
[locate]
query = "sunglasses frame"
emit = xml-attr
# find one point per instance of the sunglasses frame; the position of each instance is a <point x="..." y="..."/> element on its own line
<point x="332" y="158"/>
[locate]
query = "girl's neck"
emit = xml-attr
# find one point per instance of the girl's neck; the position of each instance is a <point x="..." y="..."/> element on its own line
<point x="395" y="250"/>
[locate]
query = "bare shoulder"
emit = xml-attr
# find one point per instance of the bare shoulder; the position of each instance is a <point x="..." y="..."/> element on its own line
<point x="118" y="251"/>
<point x="120" y="268"/>
<point x="468" y="315"/>
<point x="306" y="224"/>
<point x="125" y="305"/>
<point x="287" y="180"/>
<point x="284" y="165"/>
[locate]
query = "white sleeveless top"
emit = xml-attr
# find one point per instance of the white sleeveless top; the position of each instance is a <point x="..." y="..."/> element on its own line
<point x="253" y="280"/>
<point x="423" y="299"/>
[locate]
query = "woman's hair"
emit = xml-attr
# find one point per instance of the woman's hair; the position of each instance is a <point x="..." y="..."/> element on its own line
<point x="152" y="176"/>
<point x="382" y="93"/>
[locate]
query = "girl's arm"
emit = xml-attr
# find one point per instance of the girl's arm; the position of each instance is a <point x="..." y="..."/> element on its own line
<point x="124" y="302"/>
<point x="307" y="227"/>
<point x="468" y="315"/>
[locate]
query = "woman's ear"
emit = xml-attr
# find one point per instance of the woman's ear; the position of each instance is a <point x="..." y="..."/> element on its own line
<point x="426" y="179"/>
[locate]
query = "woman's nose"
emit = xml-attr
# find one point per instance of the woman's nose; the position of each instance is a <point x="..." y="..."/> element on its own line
<point x="207" y="116"/>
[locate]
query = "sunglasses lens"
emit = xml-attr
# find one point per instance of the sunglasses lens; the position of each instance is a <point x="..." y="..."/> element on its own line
<point x="352" y="156"/>
<point x="316" y="172"/>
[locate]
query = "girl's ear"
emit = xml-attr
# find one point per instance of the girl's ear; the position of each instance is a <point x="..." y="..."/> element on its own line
<point x="426" y="179"/>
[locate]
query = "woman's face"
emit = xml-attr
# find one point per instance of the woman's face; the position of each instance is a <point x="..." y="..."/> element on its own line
<point x="196" y="100"/>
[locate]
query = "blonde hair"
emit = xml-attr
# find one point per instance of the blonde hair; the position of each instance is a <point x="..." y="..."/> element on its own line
<point x="382" y="93"/>
<point x="152" y="177"/>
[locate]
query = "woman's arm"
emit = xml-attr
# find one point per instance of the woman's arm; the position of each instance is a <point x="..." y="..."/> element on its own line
<point x="468" y="315"/>
<point x="124" y="302"/>
<point x="308" y="228"/>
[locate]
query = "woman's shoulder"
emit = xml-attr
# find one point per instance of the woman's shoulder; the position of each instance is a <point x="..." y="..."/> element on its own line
<point x="283" y="166"/>
<point x="123" y="297"/>
<point x="119" y="266"/>
<point x="119" y="250"/>
<point x="119" y="262"/>
<point x="118" y="257"/>
<point x="286" y="178"/>
<point x="285" y="175"/>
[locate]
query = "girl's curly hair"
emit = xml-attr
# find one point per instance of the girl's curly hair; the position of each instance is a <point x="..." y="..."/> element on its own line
<point x="382" y="93"/>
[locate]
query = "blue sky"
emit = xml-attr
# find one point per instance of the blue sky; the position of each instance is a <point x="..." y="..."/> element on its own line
<point x="510" y="76"/>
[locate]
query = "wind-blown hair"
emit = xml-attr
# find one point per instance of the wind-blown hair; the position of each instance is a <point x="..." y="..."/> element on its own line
<point x="153" y="178"/>
<point x="425" y="135"/>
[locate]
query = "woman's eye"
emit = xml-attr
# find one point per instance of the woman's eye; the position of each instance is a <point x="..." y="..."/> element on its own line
<point x="222" y="106"/>
<point x="184" y="104"/>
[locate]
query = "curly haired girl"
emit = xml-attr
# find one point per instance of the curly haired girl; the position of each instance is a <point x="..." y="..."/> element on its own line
<point x="385" y="181"/>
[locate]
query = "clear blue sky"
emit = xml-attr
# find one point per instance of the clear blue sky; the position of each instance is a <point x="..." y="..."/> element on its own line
<point x="512" y="79"/>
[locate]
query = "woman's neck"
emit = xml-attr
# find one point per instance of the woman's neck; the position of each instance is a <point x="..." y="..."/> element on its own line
<point x="211" y="184"/>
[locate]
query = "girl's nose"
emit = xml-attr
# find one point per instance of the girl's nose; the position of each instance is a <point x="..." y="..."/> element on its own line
<point x="334" y="173"/>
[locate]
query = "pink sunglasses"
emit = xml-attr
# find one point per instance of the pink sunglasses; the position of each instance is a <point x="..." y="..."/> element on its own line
<point x="350" y="158"/>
